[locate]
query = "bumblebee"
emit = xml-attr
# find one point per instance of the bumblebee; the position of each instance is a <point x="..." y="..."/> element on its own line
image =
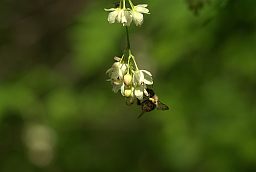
<point x="150" y="103"/>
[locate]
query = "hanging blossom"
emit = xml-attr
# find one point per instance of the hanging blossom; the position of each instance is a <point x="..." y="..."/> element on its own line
<point x="124" y="75"/>
<point x="137" y="13"/>
<point x="125" y="16"/>
<point x="131" y="81"/>
<point x="116" y="74"/>
<point x="119" y="15"/>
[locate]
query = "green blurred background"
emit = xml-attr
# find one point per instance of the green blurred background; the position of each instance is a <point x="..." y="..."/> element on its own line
<point x="58" y="113"/>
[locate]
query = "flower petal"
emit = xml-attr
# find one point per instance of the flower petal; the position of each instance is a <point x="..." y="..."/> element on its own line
<point x="116" y="88"/>
<point x="117" y="59"/>
<point x="137" y="18"/>
<point x="122" y="89"/>
<point x="146" y="72"/>
<point x="139" y="92"/>
<point x="147" y="77"/>
<point x="141" y="77"/>
<point x="138" y="77"/>
<point x="123" y="69"/>
<point x="112" y="16"/>
<point x="142" y="5"/>
<point x="120" y="16"/>
<point x="142" y="8"/>
<point x="110" y="9"/>
<point x="109" y="71"/>
<point x="128" y="17"/>
<point x="146" y="92"/>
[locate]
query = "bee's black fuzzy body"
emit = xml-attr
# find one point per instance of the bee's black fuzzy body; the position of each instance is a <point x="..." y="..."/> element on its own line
<point x="150" y="103"/>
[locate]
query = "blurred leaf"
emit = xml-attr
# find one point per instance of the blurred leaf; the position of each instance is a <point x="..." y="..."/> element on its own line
<point x="93" y="38"/>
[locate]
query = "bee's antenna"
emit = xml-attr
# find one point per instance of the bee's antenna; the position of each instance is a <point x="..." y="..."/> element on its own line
<point x="138" y="102"/>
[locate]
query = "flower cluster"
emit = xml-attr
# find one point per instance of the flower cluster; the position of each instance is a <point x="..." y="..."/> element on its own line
<point x="126" y="77"/>
<point x="125" y="16"/>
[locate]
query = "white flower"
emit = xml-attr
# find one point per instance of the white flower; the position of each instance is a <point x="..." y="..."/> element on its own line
<point x="120" y="15"/>
<point x="139" y="91"/>
<point x="116" y="73"/>
<point x="141" y="79"/>
<point x="137" y="13"/>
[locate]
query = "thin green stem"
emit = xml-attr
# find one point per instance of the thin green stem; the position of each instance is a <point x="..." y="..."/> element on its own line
<point x="129" y="64"/>
<point x="134" y="62"/>
<point x="130" y="56"/>
<point x="123" y="4"/>
<point x="122" y="59"/>
<point x="131" y="4"/>
<point x="128" y="39"/>
<point x="120" y="3"/>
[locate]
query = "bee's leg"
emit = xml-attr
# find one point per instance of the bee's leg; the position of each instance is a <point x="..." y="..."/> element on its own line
<point x="140" y="115"/>
<point x="138" y="102"/>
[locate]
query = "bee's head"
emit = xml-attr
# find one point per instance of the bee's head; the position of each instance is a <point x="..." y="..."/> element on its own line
<point x="151" y="93"/>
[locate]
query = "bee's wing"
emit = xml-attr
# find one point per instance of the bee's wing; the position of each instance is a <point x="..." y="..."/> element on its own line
<point x="162" y="106"/>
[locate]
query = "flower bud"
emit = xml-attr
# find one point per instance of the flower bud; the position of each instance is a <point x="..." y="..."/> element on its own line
<point x="127" y="93"/>
<point x="116" y="65"/>
<point x="130" y="100"/>
<point x="127" y="79"/>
